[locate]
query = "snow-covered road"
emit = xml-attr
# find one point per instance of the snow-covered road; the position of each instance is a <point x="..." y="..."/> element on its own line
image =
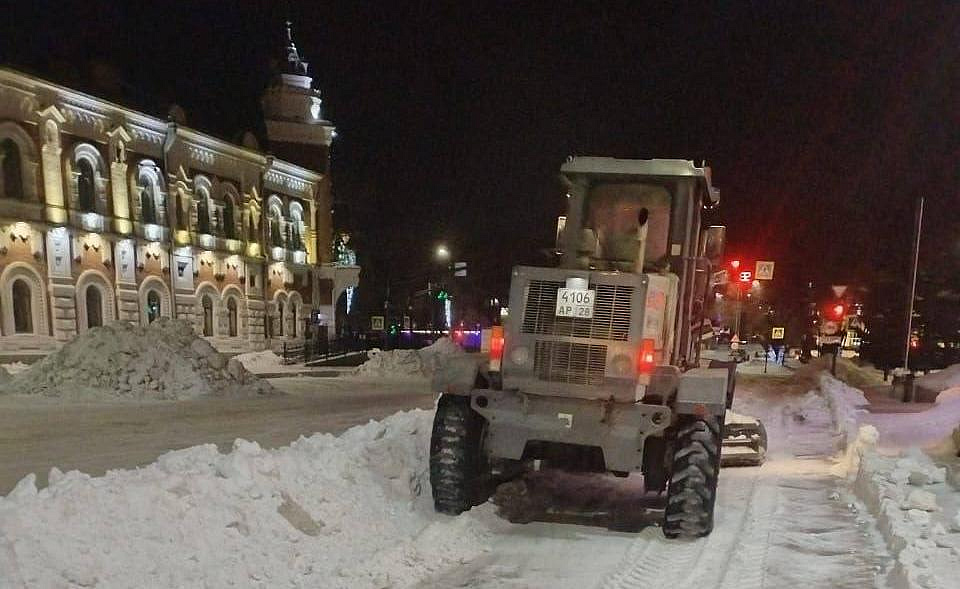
<point x="354" y="511"/>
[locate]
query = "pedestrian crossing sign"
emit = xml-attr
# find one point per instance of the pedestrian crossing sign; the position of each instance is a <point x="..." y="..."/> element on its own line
<point x="777" y="333"/>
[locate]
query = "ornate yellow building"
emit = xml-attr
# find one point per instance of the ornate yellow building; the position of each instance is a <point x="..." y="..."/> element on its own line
<point x="107" y="213"/>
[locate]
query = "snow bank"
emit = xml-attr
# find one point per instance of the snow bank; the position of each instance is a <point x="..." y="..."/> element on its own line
<point x="847" y="405"/>
<point x="900" y="490"/>
<point x="262" y="361"/>
<point x="902" y="493"/>
<point x="165" y="360"/>
<point x="352" y="511"/>
<point x="941" y="380"/>
<point x="408" y="363"/>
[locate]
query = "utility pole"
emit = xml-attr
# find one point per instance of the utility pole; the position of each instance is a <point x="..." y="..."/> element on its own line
<point x="913" y="281"/>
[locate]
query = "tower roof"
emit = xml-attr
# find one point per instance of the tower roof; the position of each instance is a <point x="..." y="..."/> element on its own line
<point x="291" y="62"/>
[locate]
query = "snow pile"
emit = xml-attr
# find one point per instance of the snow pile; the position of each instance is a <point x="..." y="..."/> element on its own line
<point x="408" y="363"/>
<point x="352" y="511"/>
<point x="847" y="404"/>
<point x="262" y="361"/>
<point x="901" y="490"/>
<point x="165" y="360"/>
<point x="15" y="367"/>
<point x="931" y="429"/>
<point x="941" y="380"/>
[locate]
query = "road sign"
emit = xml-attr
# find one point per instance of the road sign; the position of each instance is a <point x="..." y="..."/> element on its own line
<point x="776" y="333"/>
<point x="745" y="276"/>
<point x="719" y="278"/>
<point x="838" y="290"/>
<point x="764" y="270"/>
<point x="376" y="323"/>
<point x="406" y="323"/>
<point x="460" y="269"/>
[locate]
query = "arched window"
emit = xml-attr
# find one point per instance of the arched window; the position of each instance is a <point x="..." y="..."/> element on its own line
<point x="296" y="319"/>
<point x="232" y="315"/>
<point x="86" y="186"/>
<point x="207" y="315"/>
<point x="276" y="234"/>
<point x="153" y="306"/>
<point x="203" y="214"/>
<point x="11" y="178"/>
<point x="148" y="201"/>
<point x="296" y="227"/>
<point x="230" y="226"/>
<point x="22" y="307"/>
<point x="94" y="307"/>
<point x="280" y="313"/>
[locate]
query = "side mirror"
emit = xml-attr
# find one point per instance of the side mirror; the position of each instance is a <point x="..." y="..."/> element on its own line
<point x="714" y="239"/>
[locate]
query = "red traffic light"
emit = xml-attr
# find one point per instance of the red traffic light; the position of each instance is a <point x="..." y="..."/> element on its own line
<point x="735" y="264"/>
<point x="838" y="311"/>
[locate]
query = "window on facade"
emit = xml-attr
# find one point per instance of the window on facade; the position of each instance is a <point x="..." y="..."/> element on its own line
<point x="229" y="225"/>
<point x="148" y="201"/>
<point x="22" y="307"/>
<point x="94" y="303"/>
<point x="232" y="316"/>
<point x="296" y="320"/>
<point x="203" y="215"/>
<point x="86" y="186"/>
<point x="276" y="236"/>
<point x="280" y="313"/>
<point x="207" y="315"/>
<point x="11" y="178"/>
<point x="153" y="306"/>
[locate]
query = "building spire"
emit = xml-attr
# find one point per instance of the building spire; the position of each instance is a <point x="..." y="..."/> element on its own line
<point x="292" y="64"/>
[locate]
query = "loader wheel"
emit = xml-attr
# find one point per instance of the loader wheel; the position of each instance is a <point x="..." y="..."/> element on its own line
<point x="456" y="465"/>
<point x="692" y="492"/>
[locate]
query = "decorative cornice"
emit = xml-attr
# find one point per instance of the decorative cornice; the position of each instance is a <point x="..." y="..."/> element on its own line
<point x="52" y="112"/>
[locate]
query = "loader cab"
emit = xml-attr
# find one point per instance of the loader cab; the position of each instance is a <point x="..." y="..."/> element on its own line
<point x="633" y="215"/>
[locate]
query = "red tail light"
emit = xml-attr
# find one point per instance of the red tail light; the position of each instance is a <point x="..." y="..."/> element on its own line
<point x="496" y="347"/>
<point x="648" y="355"/>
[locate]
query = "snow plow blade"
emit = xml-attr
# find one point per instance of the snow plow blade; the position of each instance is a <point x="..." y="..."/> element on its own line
<point x="744" y="441"/>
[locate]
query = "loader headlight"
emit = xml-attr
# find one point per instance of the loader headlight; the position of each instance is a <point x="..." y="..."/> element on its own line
<point x="520" y="355"/>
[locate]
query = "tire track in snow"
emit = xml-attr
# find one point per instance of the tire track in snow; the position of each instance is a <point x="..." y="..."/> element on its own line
<point x="654" y="561"/>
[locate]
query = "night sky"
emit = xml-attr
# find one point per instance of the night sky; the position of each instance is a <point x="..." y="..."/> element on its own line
<point x="823" y="122"/>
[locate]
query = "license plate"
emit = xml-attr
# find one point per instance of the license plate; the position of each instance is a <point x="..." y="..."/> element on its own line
<point x="575" y="302"/>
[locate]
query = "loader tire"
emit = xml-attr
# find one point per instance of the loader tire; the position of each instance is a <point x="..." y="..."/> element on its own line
<point x="692" y="491"/>
<point x="456" y="465"/>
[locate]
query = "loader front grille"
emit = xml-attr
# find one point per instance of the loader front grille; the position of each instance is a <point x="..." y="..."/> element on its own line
<point x="611" y="312"/>
<point x="570" y="362"/>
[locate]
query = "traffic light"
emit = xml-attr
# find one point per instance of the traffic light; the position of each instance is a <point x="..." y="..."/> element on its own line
<point x="443" y="295"/>
<point x="838" y="310"/>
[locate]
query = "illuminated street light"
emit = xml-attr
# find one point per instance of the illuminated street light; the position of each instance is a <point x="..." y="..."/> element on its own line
<point x="442" y="253"/>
